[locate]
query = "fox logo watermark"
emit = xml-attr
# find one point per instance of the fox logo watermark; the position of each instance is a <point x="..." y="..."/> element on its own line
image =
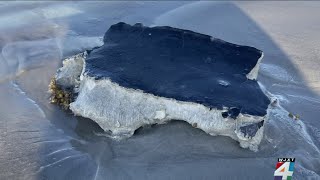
<point x="284" y="169"/>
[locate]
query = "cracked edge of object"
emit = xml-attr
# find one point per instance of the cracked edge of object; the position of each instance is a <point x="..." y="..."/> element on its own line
<point x="130" y="109"/>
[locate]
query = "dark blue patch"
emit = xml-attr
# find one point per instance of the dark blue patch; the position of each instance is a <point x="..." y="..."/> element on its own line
<point x="225" y="114"/>
<point x="232" y="112"/>
<point x="251" y="129"/>
<point x="179" y="64"/>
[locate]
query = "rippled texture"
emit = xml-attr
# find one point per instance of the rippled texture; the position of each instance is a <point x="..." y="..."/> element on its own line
<point x="40" y="141"/>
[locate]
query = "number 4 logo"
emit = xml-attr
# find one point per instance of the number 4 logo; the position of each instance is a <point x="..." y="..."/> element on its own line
<point x="284" y="170"/>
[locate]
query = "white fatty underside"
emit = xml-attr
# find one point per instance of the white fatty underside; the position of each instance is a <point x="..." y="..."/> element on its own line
<point x="123" y="110"/>
<point x="68" y="75"/>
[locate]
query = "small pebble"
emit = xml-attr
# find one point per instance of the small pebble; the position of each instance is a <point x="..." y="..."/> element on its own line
<point x="195" y="125"/>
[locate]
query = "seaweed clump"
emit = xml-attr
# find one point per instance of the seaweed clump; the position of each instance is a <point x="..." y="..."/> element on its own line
<point x="59" y="96"/>
<point x="295" y="117"/>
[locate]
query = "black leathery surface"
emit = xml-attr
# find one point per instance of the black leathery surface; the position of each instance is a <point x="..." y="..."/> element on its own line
<point x="180" y="64"/>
